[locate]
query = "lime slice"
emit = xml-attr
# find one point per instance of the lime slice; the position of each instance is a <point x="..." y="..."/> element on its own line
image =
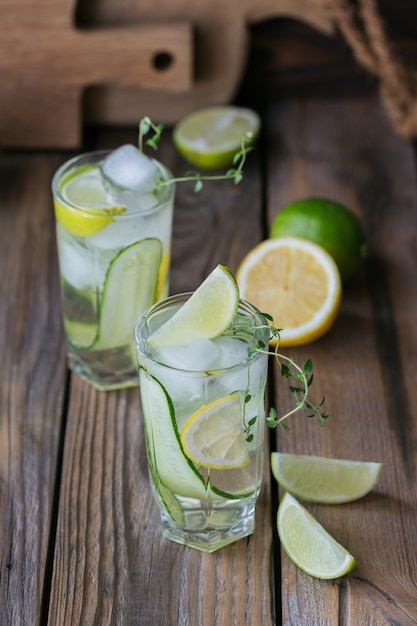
<point x="83" y="188"/>
<point x="308" y="544"/>
<point x="324" y="480"/>
<point x="208" y="312"/>
<point x="211" y="137"/>
<point x="213" y="437"/>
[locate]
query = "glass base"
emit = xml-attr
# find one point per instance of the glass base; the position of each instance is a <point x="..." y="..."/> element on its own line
<point x="103" y="380"/>
<point x="209" y="539"/>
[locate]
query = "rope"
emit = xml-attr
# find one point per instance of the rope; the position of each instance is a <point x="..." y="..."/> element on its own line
<point x="362" y="27"/>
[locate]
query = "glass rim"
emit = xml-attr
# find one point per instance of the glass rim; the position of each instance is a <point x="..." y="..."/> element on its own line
<point x="96" y="156"/>
<point x="255" y="314"/>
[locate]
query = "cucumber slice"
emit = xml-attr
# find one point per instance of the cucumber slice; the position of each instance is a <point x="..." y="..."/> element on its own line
<point x="129" y="289"/>
<point x="174" y="469"/>
<point x="80" y="335"/>
<point x="169" y="500"/>
<point x="79" y="303"/>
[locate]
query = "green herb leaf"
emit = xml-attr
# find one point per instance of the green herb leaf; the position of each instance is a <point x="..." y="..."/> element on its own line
<point x="236" y="174"/>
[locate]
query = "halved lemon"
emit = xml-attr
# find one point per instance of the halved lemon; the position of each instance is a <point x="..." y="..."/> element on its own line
<point x="296" y="282"/>
<point x="324" y="480"/>
<point x="308" y="544"/>
<point x="208" y="312"/>
<point x="213" y="436"/>
<point x="211" y="137"/>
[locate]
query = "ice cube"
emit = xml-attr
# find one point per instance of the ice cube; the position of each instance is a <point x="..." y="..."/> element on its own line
<point x="231" y="351"/>
<point x="78" y="265"/>
<point x="234" y="352"/>
<point x="129" y="168"/>
<point x="199" y="355"/>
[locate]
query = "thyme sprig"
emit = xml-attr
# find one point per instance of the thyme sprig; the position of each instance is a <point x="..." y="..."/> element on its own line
<point x="235" y="173"/>
<point x="301" y="379"/>
<point x="145" y="125"/>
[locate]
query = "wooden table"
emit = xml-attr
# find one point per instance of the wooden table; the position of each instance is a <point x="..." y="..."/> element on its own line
<point x="80" y="535"/>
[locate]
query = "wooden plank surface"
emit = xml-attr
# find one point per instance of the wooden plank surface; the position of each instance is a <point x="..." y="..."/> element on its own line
<point x="366" y="364"/>
<point x="79" y="535"/>
<point x="32" y="384"/>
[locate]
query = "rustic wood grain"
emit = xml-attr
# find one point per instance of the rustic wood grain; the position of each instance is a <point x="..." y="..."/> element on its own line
<point x="365" y="364"/>
<point x="114" y="62"/>
<point x="289" y="57"/>
<point x="32" y="384"/>
<point x="80" y="539"/>
<point x="46" y="66"/>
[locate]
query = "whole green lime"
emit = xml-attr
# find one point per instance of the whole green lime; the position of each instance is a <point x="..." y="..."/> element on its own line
<point x="329" y="224"/>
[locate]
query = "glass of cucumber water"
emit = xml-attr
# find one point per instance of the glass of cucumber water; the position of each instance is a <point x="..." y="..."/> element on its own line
<point x="204" y="415"/>
<point x="114" y="222"/>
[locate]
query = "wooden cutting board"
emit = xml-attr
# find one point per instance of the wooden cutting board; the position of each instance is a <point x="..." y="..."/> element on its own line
<point x="114" y="61"/>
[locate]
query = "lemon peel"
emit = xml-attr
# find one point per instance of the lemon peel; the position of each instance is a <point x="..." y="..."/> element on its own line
<point x="213" y="435"/>
<point x="297" y="282"/>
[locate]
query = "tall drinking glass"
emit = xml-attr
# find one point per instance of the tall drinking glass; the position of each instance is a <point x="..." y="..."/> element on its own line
<point x="204" y="400"/>
<point x="114" y="240"/>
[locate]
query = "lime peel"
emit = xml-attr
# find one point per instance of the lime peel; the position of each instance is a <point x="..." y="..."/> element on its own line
<point x="308" y="544"/>
<point x="324" y="480"/>
<point x="208" y="312"/>
<point x="329" y="224"/>
<point x="210" y="137"/>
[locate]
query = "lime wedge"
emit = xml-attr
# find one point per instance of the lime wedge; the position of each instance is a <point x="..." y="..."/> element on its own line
<point x="210" y="138"/>
<point x="324" y="480"/>
<point x="213" y="436"/>
<point x="308" y="544"/>
<point x="208" y="312"/>
<point x="83" y="188"/>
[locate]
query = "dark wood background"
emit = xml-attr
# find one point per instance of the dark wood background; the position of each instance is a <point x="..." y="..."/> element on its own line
<point x="289" y="58"/>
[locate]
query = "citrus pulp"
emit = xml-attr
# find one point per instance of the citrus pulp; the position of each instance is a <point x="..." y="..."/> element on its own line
<point x="308" y="544"/>
<point x="211" y="137"/>
<point x="324" y="480"/>
<point x="296" y="282"/>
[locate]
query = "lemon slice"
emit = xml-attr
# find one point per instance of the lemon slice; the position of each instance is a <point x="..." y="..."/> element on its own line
<point x="213" y="437"/>
<point x="297" y="282"/>
<point x="208" y="312"/>
<point x="210" y="138"/>
<point x="324" y="480"/>
<point x="84" y="208"/>
<point x="308" y="544"/>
